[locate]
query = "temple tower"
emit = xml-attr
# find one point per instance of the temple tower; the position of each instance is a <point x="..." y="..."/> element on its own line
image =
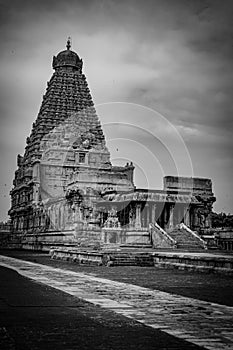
<point x="67" y="114"/>
<point x="67" y="92"/>
<point x="66" y="191"/>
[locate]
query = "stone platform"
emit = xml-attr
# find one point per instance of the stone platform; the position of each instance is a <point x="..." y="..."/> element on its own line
<point x="198" y="261"/>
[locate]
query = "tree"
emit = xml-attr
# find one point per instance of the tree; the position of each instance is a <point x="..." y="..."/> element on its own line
<point x="222" y="220"/>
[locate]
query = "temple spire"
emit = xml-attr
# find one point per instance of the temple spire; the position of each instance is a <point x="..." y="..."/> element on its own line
<point x="68" y="45"/>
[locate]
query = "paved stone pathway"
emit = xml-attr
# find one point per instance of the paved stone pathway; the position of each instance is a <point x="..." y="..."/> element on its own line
<point x="202" y="323"/>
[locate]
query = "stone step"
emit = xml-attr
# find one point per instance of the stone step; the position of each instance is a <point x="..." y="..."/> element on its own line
<point x="192" y="242"/>
<point x="183" y="236"/>
<point x="185" y="239"/>
<point x="189" y="241"/>
<point x="190" y="247"/>
<point x="124" y="259"/>
<point x="132" y="263"/>
<point x="180" y="245"/>
<point x="136" y="245"/>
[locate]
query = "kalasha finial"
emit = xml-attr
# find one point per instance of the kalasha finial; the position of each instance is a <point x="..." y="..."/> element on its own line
<point x="68" y="45"/>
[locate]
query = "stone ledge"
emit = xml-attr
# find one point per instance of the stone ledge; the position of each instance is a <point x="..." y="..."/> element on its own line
<point x="188" y="267"/>
<point x="88" y="256"/>
<point x="77" y="256"/>
<point x="215" y="264"/>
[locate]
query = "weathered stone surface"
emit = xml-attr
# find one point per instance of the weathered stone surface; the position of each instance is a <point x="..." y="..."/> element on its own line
<point x="66" y="188"/>
<point x="198" y="322"/>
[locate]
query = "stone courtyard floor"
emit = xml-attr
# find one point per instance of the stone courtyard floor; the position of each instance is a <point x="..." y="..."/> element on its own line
<point x="183" y="307"/>
<point x="214" y="288"/>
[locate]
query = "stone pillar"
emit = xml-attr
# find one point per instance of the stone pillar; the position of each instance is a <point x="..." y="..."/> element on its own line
<point x="61" y="216"/>
<point x="194" y="218"/>
<point x="53" y="216"/>
<point x="66" y="216"/>
<point x="131" y="214"/>
<point x="187" y="216"/>
<point x="25" y="222"/>
<point x="44" y="219"/>
<point x="122" y="216"/>
<point x="30" y="221"/>
<point x="16" y="223"/>
<point x="138" y="216"/>
<point x="48" y="221"/>
<point x="208" y="221"/>
<point x="36" y="193"/>
<point x="147" y="214"/>
<point x="181" y="213"/>
<point x="19" y="224"/>
<point x="153" y="209"/>
<point x="101" y="218"/>
<point x="171" y="216"/>
<point x="39" y="219"/>
<point x="143" y="216"/>
<point x="77" y="213"/>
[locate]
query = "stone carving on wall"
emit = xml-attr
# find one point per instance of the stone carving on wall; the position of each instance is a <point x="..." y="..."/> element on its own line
<point x="74" y="196"/>
<point x="132" y="217"/>
<point x="203" y="214"/>
<point x="112" y="219"/>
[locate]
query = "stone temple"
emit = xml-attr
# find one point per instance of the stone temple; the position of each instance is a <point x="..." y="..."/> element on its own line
<point x="66" y="192"/>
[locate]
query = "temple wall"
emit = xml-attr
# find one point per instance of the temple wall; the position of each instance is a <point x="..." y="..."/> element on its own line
<point x="122" y="236"/>
<point x="192" y="184"/>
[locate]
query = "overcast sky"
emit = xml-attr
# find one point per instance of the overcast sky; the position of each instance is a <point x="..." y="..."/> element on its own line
<point x="171" y="56"/>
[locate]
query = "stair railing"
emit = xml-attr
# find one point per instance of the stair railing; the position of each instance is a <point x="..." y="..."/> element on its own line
<point x="183" y="226"/>
<point x="155" y="227"/>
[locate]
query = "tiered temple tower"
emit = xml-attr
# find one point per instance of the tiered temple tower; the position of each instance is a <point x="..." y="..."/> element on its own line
<point x="66" y="191"/>
<point x="67" y="115"/>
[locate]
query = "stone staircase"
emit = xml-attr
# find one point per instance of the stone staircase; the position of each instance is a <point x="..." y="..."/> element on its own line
<point x="186" y="239"/>
<point x="128" y="254"/>
<point x="136" y="245"/>
<point x="136" y="253"/>
<point x="128" y="259"/>
<point x="160" y="239"/>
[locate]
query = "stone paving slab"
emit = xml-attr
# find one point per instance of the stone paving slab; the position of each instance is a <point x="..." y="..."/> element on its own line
<point x="206" y="324"/>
